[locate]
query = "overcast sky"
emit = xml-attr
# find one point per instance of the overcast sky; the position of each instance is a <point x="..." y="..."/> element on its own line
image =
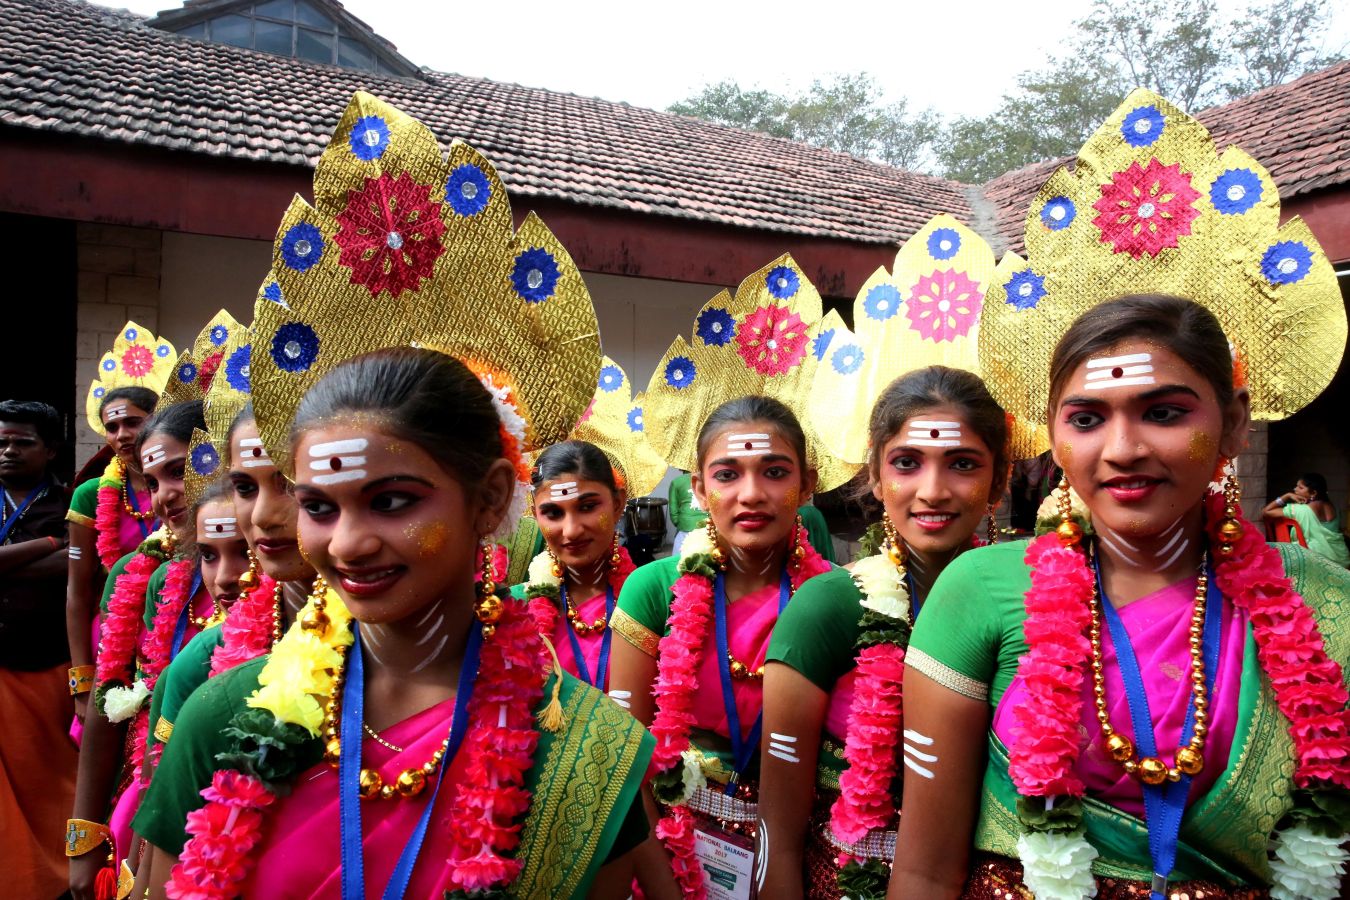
<point x="958" y="56"/>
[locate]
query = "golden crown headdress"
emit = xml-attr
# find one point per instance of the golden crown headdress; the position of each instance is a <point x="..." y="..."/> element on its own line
<point x="406" y="247"/>
<point x="228" y="393"/>
<point x="1152" y="206"/>
<point x="613" y="422"/>
<point x="196" y="368"/>
<point x="137" y="359"/>
<point x="924" y="312"/>
<point x="767" y="339"/>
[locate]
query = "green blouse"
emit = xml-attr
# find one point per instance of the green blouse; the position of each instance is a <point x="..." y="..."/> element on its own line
<point x="84" y="504"/>
<point x="817" y="632"/>
<point x="189" y="669"/>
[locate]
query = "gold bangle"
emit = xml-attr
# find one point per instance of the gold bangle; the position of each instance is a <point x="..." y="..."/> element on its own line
<point x="83" y="835"/>
<point x="126" y="880"/>
<point x="81" y="680"/>
<point x="163" y="730"/>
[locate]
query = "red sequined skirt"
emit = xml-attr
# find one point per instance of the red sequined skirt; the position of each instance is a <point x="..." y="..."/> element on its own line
<point x="1000" y="878"/>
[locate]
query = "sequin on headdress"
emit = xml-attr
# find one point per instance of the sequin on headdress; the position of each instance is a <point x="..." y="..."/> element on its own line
<point x="137" y="359"/>
<point x="924" y="312"/>
<point x="768" y="339"/>
<point x="405" y="246"/>
<point x="1152" y="206"/>
<point x="614" y="423"/>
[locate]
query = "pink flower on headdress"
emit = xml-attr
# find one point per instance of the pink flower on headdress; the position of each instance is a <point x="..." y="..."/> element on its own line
<point x="1146" y="209"/>
<point x="137" y="361"/>
<point x="773" y="340"/>
<point x="944" y="306"/>
<point x="390" y="234"/>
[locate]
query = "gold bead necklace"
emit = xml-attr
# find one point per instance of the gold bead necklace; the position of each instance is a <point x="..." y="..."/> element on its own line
<point x="131" y="510"/>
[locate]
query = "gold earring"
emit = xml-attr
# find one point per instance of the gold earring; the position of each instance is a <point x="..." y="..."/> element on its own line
<point x="992" y="528"/>
<point x="798" y="551"/>
<point x="1230" y="529"/>
<point x="895" y="550"/>
<point x="614" y="558"/>
<point x="1069" y="531"/>
<point x="554" y="566"/>
<point x="718" y="557"/>
<point x="488" y="609"/>
<point x="250" y="579"/>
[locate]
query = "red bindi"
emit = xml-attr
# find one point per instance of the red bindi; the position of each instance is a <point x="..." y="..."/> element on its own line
<point x="748" y="445"/>
<point x="257" y="451"/>
<point x="336" y="463"/>
<point x="1117" y="372"/>
<point x="933" y="434"/>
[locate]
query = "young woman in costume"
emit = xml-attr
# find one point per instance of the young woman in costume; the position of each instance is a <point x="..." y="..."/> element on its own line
<point x="936" y="449"/>
<point x="1148" y="699"/>
<point x="110" y="515"/>
<point x="1310" y="506"/>
<point x="411" y="732"/>
<point x="695" y="628"/>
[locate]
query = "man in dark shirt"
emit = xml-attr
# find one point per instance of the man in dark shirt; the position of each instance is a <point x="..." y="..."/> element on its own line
<point x="37" y="757"/>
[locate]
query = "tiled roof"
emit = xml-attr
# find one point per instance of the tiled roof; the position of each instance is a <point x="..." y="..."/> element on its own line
<point x="68" y="66"/>
<point x="1299" y="131"/>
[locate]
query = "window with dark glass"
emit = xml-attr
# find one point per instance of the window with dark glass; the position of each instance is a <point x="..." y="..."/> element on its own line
<point x="290" y="28"/>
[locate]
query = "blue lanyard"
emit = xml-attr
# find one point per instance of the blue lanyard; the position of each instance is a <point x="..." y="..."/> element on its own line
<point x="140" y="523"/>
<point x="1164" y="804"/>
<point x="184" y="615"/>
<point x="914" y="601"/>
<point x="602" y="664"/>
<point x="742" y="750"/>
<point x="349" y="772"/>
<point x="14" y="518"/>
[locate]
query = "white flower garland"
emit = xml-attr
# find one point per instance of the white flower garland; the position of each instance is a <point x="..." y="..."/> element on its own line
<point x="1307" y="864"/>
<point x="883" y="589"/>
<point x="1047" y="514"/>
<point x="121" y="703"/>
<point x="1057" y="865"/>
<point x="695" y="543"/>
<point x="515" y="426"/>
<point x="692" y="779"/>
<point x="541" y="572"/>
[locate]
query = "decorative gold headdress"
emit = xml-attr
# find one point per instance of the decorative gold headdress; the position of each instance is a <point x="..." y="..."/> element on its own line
<point x="1151" y="206"/>
<point x="766" y="340"/>
<point x="137" y="359"/>
<point x="924" y="312"/>
<point x="613" y="422"/>
<point x="197" y="367"/>
<point x="228" y="393"/>
<point x="404" y="247"/>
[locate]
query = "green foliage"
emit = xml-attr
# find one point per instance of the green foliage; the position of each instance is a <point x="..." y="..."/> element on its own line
<point x="1066" y="816"/>
<point x="697" y="564"/>
<point x="668" y="785"/>
<point x="864" y="879"/>
<point x="870" y="542"/>
<point x="879" y="629"/>
<point x="268" y="749"/>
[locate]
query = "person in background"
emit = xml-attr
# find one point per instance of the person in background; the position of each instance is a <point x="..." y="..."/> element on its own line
<point x="37" y="759"/>
<point x="1309" y="505"/>
<point x="685" y="513"/>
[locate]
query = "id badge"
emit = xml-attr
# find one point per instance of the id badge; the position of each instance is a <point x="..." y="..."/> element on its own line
<point x="728" y="862"/>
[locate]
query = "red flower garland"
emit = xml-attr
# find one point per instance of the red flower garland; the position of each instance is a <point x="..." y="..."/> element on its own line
<point x="875" y="719"/>
<point x="246" y="632"/>
<point x="157" y="643"/>
<point x="123" y="623"/>
<point x="678" y="656"/>
<point x="107" y="516"/>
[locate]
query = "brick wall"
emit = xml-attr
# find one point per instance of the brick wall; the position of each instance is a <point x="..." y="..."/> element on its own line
<point x="119" y="271"/>
<point x="1251" y="469"/>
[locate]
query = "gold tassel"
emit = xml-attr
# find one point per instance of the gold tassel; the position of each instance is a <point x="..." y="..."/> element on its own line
<point x="551" y="717"/>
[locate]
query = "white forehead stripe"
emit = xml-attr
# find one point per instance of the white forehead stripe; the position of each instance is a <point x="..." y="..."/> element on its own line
<point x="116" y="412"/>
<point x="747" y="444"/>
<point x="337" y="448"/>
<point x="222" y="528"/>
<point x="1119" y="371"/>
<point x="252" y="453"/>
<point x="923" y="433"/>
<point x="152" y="456"/>
<point x="562" y="490"/>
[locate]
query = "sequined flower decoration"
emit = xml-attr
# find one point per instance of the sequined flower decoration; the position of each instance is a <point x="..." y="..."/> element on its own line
<point x="1142" y="126"/>
<point x="1286" y="262"/>
<point x="137" y="361"/>
<point x="944" y="306"/>
<point x="187" y="373"/>
<point x="236" y="369"/>
<point x="847" y="358"/>
<point x="680" y="372"/>
<point x="205" y="460"/>
<point x="535" y="275"/>
<point x="99" y="392"/>
<point x="369" y="138"/>
<point x="219" y="335"/>
<point x="821" y="344"/>
<point x="1235" y="191"/>
<point x="1025" y="289"/>
<point x="772" y="340"/>
<point x="1146" y="209"/>
<point x="944" y="243"/>
<point x="207" y="373"/>
<point x="302" y="246"/>
<point x="131" y="334"/>
<point x="635" y="419"/>
<point x="390" y="234"/>
<point x="1058" y="213"/>
<point x="715" y="326"/>
<point x="611" y="378"/>
<point x="468" y="190"/>
<point x="295" y="346"/>
<point x="882" y="301"/>
<point x="782" y="282"/>
<point x="163" y="351"/>
<point x="109" y="365"/>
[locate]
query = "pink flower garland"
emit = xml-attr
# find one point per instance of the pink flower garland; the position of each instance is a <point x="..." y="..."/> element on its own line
<point x="107" y="527"/>
<point x="214" y="863"/>
<point x="545" y="609"/>
<point x="875" y="718"/>
<point x="246" y="632"/>
<point x="678" y="656"/>
<point x="123" y="623"/>
<point x="157" y="643"/>
<point x="1309" y="686"/>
